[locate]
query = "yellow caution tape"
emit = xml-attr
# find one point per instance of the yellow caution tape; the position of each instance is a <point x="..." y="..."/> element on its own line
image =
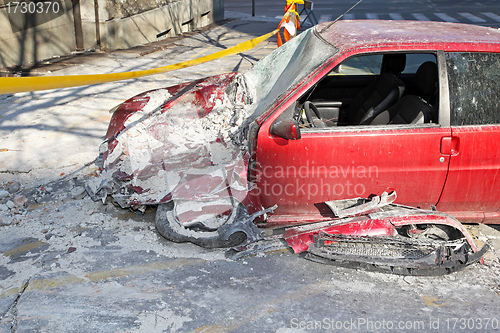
<point x="11" y="85"/>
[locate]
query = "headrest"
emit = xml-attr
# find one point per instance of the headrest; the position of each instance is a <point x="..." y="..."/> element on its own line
<point x="394" y="63"/>
<point x="427" y="78"/>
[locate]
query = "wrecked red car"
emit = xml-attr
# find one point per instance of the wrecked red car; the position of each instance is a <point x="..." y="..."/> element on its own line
<point x="350" y="109"/>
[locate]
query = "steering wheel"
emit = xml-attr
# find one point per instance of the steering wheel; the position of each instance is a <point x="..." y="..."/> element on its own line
<point x="311" y="109"/>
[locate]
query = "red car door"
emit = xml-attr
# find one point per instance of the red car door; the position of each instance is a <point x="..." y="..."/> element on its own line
<point x="338" y="163"/>
<point x="472" y="186"/>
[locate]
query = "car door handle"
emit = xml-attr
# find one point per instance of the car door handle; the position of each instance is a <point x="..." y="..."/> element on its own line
<point x="450" y="145"/>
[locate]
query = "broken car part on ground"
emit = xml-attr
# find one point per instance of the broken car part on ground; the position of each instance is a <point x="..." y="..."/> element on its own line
<point x="348" y="110"/>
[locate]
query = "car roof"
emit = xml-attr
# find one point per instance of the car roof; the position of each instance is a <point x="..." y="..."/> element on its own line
<point x="426" y="35"/>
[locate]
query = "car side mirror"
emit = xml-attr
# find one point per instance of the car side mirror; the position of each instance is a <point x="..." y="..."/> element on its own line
<point x="287" y="129"/>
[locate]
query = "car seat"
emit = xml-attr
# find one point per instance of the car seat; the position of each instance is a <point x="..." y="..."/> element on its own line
<point x="380" y="94"/>
<point x="414" y="109"/>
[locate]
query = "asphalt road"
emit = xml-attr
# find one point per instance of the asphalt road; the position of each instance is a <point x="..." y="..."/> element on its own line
<point x="486" y="13"/>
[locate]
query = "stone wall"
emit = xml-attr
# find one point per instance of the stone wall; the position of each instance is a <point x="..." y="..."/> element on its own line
<point x="30" y="32"/>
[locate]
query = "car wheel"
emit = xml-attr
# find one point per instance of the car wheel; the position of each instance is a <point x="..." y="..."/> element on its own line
<point x="200" y="228"/>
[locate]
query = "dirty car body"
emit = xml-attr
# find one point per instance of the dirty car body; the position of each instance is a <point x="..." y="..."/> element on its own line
<point x="348" y="110"/>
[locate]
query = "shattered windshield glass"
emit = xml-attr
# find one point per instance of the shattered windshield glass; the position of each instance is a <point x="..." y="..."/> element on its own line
<point x="285" y="67"/>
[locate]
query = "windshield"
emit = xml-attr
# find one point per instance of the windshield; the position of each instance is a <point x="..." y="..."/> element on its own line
<point x="284" y="68"/>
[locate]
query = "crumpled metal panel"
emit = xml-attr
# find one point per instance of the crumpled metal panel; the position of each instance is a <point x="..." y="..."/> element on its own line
<point x="178" y="143"/>
<point x="188" y="142"/>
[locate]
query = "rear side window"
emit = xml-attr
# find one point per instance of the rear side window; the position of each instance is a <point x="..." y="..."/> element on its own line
<point x="474" y="81"/>
<point x="372" y="64"/>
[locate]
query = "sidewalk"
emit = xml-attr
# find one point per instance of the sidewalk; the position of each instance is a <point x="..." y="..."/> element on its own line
<point x="72" y="265"/>
<point x="49" y="133"/>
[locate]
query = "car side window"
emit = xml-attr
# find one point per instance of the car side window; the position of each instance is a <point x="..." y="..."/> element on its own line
<point x="362" y="65"/>
<point x="393" y="88"/>
<point x="372" y="64"/>
<point x="474" y="83"/>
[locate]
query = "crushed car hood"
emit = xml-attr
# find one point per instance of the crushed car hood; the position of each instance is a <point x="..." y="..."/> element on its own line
<point x="178" y="142"/>
<point x="188" y="142"/>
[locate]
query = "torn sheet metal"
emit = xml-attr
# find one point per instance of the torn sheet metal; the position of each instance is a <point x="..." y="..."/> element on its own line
<point x="396" y="239"/>
<point x="398" y="255"/>
<point x="180" y="144"/>
<point x="360" y="206"/>
<point x="299" y="238"/>
<point x="188" y="142"/>
<point x="387" y="237"/>
<point x="389" y="222"/>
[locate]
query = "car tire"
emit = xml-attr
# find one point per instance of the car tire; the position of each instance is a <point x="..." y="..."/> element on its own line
<point x="170" y="228"/>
